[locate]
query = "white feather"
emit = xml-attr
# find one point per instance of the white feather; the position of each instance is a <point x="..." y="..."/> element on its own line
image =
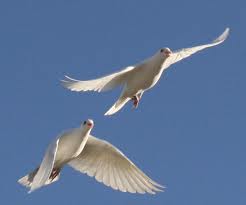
<point x="140" y="77"/>
<point x="106" y="158"/>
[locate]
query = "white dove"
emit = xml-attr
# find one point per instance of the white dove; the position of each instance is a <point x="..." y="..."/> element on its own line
<point x="140" y="77"/>
<point x="97" y="158"/>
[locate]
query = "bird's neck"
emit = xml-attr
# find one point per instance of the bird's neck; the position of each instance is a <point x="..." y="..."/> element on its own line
<point x="155" y="63"/>
<point x="84" y="137"/>
<point x="85" y="134"/>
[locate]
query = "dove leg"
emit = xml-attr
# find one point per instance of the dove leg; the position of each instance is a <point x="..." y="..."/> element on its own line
<point x="54" y="173"/>
<point x="135" y="100"/>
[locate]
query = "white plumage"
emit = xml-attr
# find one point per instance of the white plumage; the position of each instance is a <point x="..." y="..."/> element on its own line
<point x="92" y="156"/>
<point x="140" y="77"/>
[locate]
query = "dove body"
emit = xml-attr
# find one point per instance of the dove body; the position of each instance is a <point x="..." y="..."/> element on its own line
<point x="92" y="156"/>
<point x="140" y="77"/>
<point x="71" y="144"/>
<point x="144" y="76"/>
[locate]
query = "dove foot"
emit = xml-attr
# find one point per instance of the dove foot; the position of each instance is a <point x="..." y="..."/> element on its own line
<point x="54" y="173"/>
<point x="135" y="100"/>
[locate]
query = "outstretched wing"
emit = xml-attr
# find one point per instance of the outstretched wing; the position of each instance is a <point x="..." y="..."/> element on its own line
<point x="186" y="52"/>
<point x="111" y="167"/>
<point x="46" y="167"/>
<point x="101" y="84"/>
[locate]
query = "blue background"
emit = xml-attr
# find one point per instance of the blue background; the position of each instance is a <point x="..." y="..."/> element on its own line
<point x="188" y="132"/>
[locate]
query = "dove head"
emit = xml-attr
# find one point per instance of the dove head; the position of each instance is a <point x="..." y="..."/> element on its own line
<point x="88" y="124"/>
<point x="166" y="52"/>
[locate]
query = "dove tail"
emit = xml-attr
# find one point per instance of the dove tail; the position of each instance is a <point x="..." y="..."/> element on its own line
<point x="28" y="179"/>
<point x="117" y="106"/>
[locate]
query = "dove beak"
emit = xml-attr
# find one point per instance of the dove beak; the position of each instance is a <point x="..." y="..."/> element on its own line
<point x="90" y="124"/>
<point x="167" y="53"/>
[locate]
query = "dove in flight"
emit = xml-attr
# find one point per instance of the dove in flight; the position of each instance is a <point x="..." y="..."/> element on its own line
<point x="138" y="78"/>
<point x="92" y="156"/>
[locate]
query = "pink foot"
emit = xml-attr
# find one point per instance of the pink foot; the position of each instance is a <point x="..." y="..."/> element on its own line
<point x="135" y="101"/>
<point x="54" y="173"/>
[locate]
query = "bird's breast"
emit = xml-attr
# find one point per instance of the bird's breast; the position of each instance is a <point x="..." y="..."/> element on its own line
<point x="147" y="78"/>
<point x="69" y="147"/>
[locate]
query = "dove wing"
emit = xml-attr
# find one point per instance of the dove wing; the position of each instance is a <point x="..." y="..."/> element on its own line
<point x="46" y="167"/>
<point x="100" y="84"/>
<point x="186" y="52"/>
<point x="108" y="165"/>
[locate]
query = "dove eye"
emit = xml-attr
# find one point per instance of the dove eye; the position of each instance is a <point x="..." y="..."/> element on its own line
<point x="84" y="122"/>
<point x="161" y="50"/>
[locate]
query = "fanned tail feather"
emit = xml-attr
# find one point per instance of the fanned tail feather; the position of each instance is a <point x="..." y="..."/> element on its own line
<point x="28" y="179"/>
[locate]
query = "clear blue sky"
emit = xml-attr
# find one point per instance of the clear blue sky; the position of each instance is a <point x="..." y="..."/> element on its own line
<point x="188" y="132"/>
